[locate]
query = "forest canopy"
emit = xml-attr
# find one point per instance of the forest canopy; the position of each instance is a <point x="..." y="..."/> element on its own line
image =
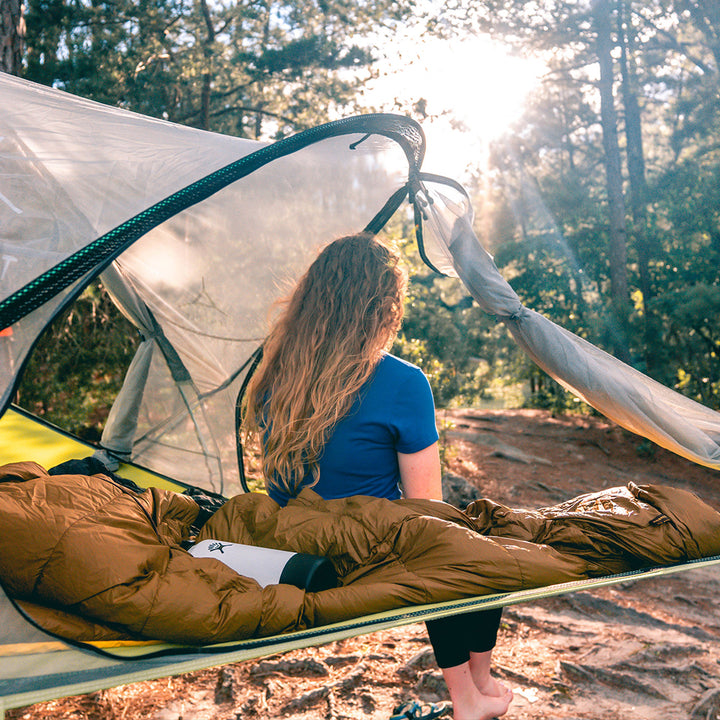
<point x="601" y="204"/>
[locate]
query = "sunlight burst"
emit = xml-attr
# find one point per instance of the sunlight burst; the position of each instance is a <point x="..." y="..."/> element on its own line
<point x="471" y="90"/>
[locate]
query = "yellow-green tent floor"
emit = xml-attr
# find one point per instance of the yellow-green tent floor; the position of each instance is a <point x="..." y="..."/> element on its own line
<point x="83" y="671"/>
<point x="25" y="437"/>
<point x="35" y="666"/>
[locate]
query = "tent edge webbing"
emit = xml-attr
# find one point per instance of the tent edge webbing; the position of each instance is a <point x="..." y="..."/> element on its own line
<point x="406" y="615"/>
<point x="252" y="649"/>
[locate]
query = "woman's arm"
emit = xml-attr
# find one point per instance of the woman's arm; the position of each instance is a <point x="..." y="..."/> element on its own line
<point x="420" y="474"/>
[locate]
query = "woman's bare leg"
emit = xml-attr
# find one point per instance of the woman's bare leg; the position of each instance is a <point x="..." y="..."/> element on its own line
<point x="469" y="703"/>
<point x="480" y="664"/>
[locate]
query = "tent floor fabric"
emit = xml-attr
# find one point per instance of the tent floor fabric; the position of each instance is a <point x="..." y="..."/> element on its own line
<point x="631" y="639"/>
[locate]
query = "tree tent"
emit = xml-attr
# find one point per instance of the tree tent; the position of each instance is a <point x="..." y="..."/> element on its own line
<point x="194" y="235"/>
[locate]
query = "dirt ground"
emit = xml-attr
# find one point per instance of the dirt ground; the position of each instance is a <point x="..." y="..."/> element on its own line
<point x="644" y="649"/>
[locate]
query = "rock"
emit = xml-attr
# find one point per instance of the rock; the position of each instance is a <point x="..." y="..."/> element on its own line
<point x="226" y="689"/>
<point x="554" y="492"/>
<point x="590" y="605"/>
<point x="500" y="449"/>
<point x="679" y="672"/>
<point x="348" y="684"/>
<point x="250" y="706"/>
<point x="339" y="660"/>
<point x="307" y="700"/>
<point x="368" y="703"/>
<point x="662" y="651"/>
<point x="576" y="673"/>
<point x="431" y="686"/>
<point x="619" y="681"/>
<point x="505" y="673"/>
<point x="458" y="491"/>
<point x="424" y="660"/>
<point x="512" y="453"/>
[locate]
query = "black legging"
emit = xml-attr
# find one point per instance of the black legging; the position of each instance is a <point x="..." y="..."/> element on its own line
<point x="454" y="638"/>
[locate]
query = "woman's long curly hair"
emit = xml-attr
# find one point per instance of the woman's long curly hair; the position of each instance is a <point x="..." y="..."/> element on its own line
<point x="344" y="311"/>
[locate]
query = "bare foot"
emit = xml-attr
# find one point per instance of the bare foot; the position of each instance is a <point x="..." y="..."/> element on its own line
<point x="491" y="686"/>
<point x="487" y="707"/>
<point x="480" y="664"/>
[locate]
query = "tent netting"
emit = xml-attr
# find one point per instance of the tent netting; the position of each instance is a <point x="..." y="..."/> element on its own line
<point x="195" y="235"/>
<point x="208" y="230"/>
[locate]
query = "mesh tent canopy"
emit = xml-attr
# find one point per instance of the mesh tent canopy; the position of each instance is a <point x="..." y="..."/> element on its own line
<point x="203" y="232"/>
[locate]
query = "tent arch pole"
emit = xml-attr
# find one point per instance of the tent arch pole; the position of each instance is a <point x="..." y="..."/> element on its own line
<point x="407" y="133"/>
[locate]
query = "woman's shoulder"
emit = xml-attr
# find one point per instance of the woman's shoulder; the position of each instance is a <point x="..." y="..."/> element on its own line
<point x="391" y="366"/>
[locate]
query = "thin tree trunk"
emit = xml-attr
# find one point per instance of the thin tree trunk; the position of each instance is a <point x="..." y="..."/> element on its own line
<point x="616" y="199"/>
<point x="265" y="45"/>
<point x="636" y="171"/>
<point x="207" y="73"/>
<point x="12" y="36"/>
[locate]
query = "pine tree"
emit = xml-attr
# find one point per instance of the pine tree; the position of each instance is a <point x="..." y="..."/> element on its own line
<point x="12" y="36"/>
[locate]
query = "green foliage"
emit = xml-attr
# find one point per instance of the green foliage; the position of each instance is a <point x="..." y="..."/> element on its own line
<point x="251" y="68"/>
<point x="646" y="449"/>
<point x="546" y="394"/>
<point x="79" y="364"/>
<point x="547" y="210"/>
<point x="690" y="326"/>
<point x="459" y="347"/>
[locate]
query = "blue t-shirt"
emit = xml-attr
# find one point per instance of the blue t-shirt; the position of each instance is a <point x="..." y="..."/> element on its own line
<point x="394" y="412"/>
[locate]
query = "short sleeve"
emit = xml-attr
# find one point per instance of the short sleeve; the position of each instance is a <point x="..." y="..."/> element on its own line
<point x="414" y="417"/>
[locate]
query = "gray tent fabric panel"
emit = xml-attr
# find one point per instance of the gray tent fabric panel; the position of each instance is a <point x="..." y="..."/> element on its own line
<point x="121" y="424"/>
<point x="618" y="391"/>
<point x="107" y="164"/>
<point x="32" y="236"/>
<point x="13" y="626"/>
<point x="27" y="667"/>
<point x="72" y="170"/>
<point x="208" y="278"/>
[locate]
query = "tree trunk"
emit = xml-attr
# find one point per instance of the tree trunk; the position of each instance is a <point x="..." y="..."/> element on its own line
<point x="636" y="170"/>
<point x="12" y="35"/>
<point x="616" y="199"/>
<point x="207" y="70"/>
<point x="265" y="45"/>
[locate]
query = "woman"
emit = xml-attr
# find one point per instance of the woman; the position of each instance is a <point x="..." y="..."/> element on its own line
<point x="332" y="410"/>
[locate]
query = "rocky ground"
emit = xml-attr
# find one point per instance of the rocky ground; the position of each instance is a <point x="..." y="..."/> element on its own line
<point x="645" y="649"/>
